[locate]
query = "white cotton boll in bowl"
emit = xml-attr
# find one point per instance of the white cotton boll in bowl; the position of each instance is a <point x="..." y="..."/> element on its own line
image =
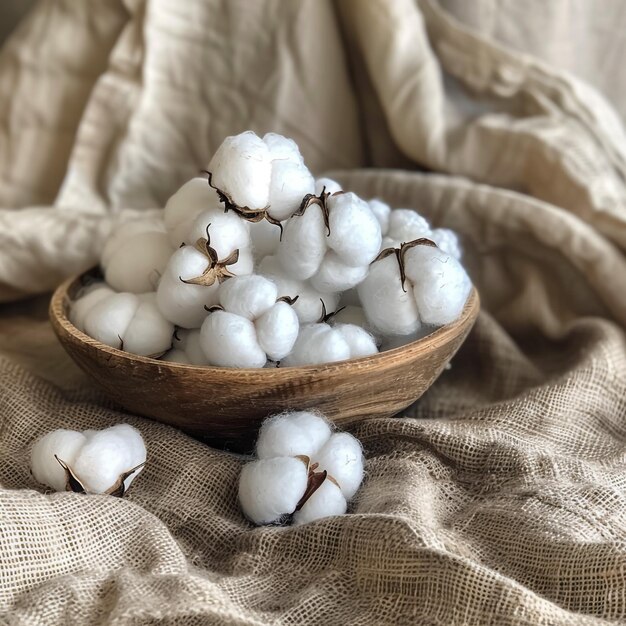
<point x="241" y="168"/>
<point x="448" y="241"/>
<point x="303" y="245"/>
<point x="87" y="298"/>
<point x="149" y="333"/>
<point x="334" y="276"/>
<point x="277" y="330"/>
<point x="317" y="344"/>
<point x="342" y="457"/>
<point x="137" y="261"/>
<point x="46" y="469"/>
<point x="361" y="343"/>
<point x="355" y="233"/>
<point x="290" y="182"/>
<point x="194" y="197"/>
<point x="270" y="489"/>
<point x="326" y="501"/>
<point x="292" y="434"/>
<point x="249" y="296"/>
<point x="308" y="307"/>
<point x="389" y="309"/>
<point x="441" y="285"/>
<point x="227" y="231"/>
<point x="407" y="225"/>
<point x="327" y="185"/>
<point x="106" y="455"/>
<point x="229" y="340"/>
<point x="382" y="211"/>
<point x="108" y="320"/>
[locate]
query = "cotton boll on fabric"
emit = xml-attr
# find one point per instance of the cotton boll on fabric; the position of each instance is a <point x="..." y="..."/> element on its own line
<point x="270" y="489"/>
<point x="327" y="500"/>
<point x="354" y="230"/>
<point x="440" y="284"/>
<point x="342" y="458"/>
<point x="277" y="330"/>
<point x="181" y="210"/>
<point x="249" y="296"/>
<point x="241" y="168"/>
<point x="229" y="340"/>
<point x="388" y="308"/>
<point x="46" y="469"/>
<point x="106" y="455"/>
<point x="292" y="434"/>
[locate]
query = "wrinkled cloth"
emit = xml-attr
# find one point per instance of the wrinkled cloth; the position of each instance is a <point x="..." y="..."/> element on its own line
<point x="500" y="497"/>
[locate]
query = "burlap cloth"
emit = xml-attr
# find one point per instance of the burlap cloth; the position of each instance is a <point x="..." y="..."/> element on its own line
<point x="500" y="498"/>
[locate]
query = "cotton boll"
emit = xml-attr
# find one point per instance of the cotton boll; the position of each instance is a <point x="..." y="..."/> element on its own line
<point x="242" y="168"/>
<point x="88" y="298"/>
<point x="46" y="469"/>
<point x="184" y="304"/>
<point x="317" y="344"/>
<point x="248" y="296"/>
<point x="360" y="341"/>
<point x="148" y="333"/>
<point x="292" y="434"/>
<point x="277" y="330"/>
<point x="308" y="307"/>
<point x="228" y="231"/>
<point x="304" y="244"/>
<point x="389" y="309"/>
<point x="448" y="241"/>
<point x="334" y="276"/>
<point x="326" y="501"/>
<point x="229" y="340"/>
<point x="128" y="230"/>
<point x="440" y="284"/>
<point x="328" y="185"/>
<point x="382" y="211"/>
<point x="108" y="319"/>
<point x="139" y="262"/>
<point x="265" y="238"/>
<point x="188" y="341"/>
<point x="342" y="458"/>
<point x="282" y="148"/>
<point x="184" y="206"/>
<point x="407" y="225"/>
<point x="106" y="455"/>
<point x="176" y="356"/>
<point x="290" y="183"/>
<point x="354" y="230"/>
<point x="351" y="314"/>
<point x="271" y="488"/>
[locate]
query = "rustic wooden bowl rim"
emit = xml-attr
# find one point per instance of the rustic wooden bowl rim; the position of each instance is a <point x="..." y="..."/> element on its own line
<point x="60" y="302"/>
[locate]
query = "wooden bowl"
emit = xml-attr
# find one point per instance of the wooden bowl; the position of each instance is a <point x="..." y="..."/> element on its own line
<point x="225" y="407"/>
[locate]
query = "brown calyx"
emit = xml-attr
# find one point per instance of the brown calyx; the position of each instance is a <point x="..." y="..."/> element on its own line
<point x="322" y="202"/>
<point x="315" y="479"/>
<point x="217" y="270"/>
<point x="400" y="253"/>
<point x="327" y="317"/>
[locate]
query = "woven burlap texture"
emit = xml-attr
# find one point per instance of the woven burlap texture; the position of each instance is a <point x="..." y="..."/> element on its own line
<point x="500" y="498"/>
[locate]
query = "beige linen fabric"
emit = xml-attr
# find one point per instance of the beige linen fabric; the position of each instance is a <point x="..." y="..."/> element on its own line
<point x="499" y="498"/>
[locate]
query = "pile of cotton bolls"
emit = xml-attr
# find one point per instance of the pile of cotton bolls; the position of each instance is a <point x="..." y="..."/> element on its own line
<point x="93" y="461"/>
<point x="303" y="471"/>
<point x="256" y="264"/>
